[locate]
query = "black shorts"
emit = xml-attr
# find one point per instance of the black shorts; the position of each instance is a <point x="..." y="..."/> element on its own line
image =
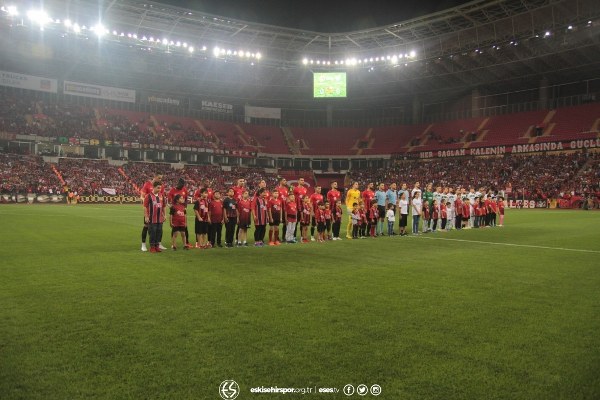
<point x="201" y="227"/>
<point x="328" y="224"/>
<point x="403" y="220"/>
<point x="275" y="222"/>
<point x="321" y="227"/>
<point x="465" y="219"/>
<point x="381" y="210"/>
<point x="176" y="229"/>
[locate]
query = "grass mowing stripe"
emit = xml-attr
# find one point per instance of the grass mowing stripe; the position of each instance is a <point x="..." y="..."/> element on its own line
<point x="507" y="244"/>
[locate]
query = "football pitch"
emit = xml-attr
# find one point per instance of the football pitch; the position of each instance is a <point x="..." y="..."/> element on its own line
<point x="498" y="313"/>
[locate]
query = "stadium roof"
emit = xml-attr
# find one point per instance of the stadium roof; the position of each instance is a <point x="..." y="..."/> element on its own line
<point x="474" y="44"/>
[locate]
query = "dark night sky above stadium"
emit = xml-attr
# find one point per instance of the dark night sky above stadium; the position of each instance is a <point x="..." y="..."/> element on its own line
<point x="320" y="16"/>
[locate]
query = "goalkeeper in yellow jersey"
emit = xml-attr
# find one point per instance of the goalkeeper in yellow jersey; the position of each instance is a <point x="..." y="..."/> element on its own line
<point x="352" y="196"/>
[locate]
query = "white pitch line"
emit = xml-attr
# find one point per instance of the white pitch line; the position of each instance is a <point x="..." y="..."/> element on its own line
<point x="511" y="244"/>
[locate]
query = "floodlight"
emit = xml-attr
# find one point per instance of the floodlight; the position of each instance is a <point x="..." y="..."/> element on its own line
<point x="216" y="51"/>
<point x="191" y="49"/>
<point x="99" y="29"/>
<point x="67" y="23"/>
<point x="413" y="54"/>
<point x="39" y="17"/>
<point x="12" y="11"/>
<point x="258" y="56"/>
<point x="304" y="61"/>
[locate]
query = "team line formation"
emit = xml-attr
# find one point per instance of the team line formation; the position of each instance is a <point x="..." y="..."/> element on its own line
<point x="370" y="213"/>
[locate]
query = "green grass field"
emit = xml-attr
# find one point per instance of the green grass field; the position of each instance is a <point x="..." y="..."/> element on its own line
<point x="85" y="315"/>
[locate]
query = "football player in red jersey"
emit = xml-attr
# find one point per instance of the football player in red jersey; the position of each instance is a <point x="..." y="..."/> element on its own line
<point x="334" y="194"/>
<point x="274" y="206"/>
<point x="299" y="194"/>
<point x="315" y="199"/>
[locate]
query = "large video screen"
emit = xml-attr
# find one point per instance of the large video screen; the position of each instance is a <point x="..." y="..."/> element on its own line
<point x="329" y="84"/>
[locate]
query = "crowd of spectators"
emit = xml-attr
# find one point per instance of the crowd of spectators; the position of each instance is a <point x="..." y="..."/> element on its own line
<point x="533" y="177"/>
<point x="27" y="174"/>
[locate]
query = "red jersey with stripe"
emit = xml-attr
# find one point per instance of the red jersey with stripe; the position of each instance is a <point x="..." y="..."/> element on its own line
<point x="320" y="215"/>
<point x="305" y="215"/>
<point x="328" y="214"/>
<point x="337" y="215"/>
<point x="425" y="210"/>
<point x="374" y="213"/>
<point x="201" y="206"/>
<point x="178" y="215"/>
<point x="260" y="211"/>
<point x="154" y="208"/>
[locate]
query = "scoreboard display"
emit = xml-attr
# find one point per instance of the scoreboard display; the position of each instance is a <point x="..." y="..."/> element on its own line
<point x="329" y="84"/>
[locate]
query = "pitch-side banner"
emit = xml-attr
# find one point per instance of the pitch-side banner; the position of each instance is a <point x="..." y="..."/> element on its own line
<point x="99" y="92"/>
<point x="262" y="112"/>
<point x="30" y="82"/>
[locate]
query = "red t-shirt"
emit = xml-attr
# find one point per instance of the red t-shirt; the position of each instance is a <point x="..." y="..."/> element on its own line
<point x="147" y="189"/>
<point x="216" y="211"/>
<point x="283" y="193"/>
<point x="443" y="211"/>
<point x="315" y="199"/>
<point x="178" y="215"/>
<point x="367" y="196"/>
<point x="333" y="196"/>
<point x="174" y="192"/>
<point x="458" y="206"/>
<point x="466" y="209"/>
<point x="501" y="207"/>
<point x="274" y="207"/>
<point x="299" y="194"/>
<point x="291" y="211"/>
<point x="238" y="191"/>
<point x="201" y="205"/>
<point x="328" y="214"/>
<point x="425" y="210"/>
<point x="244" y="207"/>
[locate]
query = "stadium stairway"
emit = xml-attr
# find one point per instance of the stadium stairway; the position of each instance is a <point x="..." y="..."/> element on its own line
<point x="423" y="137"/>
<point x="549" y="127"/>
<point x="245" y="138"/>
<point x="291" y="141"/>
<point x="368" y="139"/>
